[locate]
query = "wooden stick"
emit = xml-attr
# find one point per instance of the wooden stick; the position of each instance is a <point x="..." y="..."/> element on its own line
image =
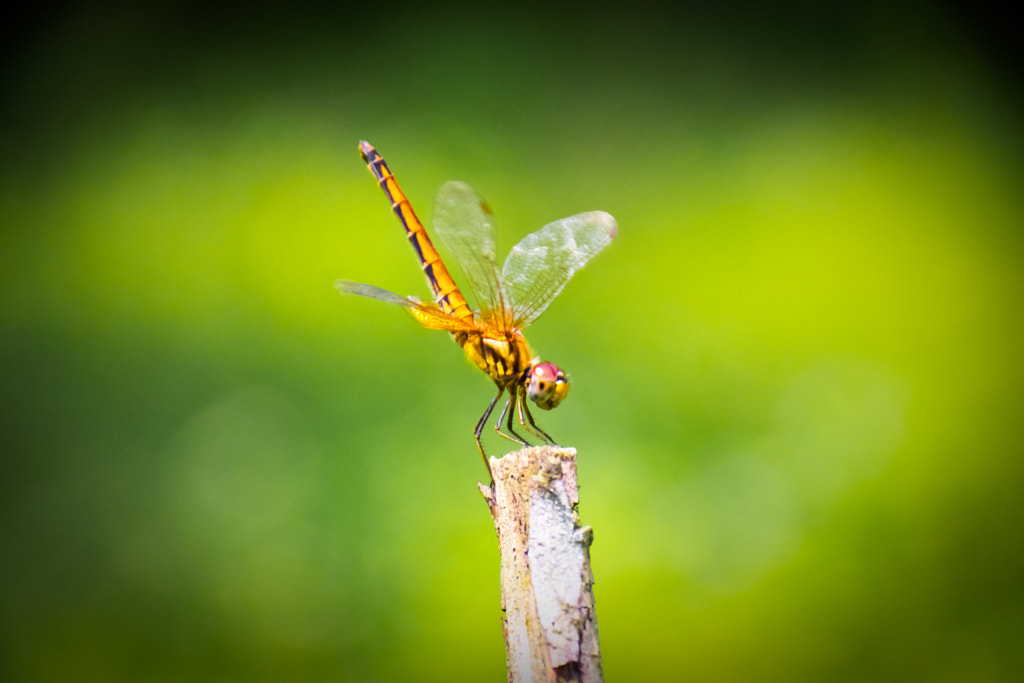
<point x="546" y="581"/>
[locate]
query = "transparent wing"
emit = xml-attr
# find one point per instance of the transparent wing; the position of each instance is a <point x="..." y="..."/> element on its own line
<point x="427" y="313"/>
<point x="465" y="225"/>
<point x="539" y="266"/>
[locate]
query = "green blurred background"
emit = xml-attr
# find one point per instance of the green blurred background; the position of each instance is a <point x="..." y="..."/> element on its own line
<point x="797" y="371"/>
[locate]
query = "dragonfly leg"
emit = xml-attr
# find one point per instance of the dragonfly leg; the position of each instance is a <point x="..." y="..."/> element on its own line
<point x="532" y="427"/>
<point x="480" y="428"/>
<point x="497" y="425"/>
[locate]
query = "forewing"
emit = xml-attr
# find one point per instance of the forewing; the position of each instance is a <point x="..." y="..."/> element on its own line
<point x="539" y="266"/>
<point x="465" y="225"/>
<point x="427" y="313"/>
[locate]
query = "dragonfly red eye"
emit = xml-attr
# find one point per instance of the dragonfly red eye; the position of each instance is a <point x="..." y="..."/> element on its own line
<point x="547" y="385"/>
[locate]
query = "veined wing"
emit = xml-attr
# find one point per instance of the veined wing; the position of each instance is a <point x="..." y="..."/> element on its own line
<point x="426" y="312"/>
<point x="466" y="227"/>
<point x="539" y="266"/>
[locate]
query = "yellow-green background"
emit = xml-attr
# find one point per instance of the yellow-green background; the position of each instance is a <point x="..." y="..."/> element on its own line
<point x="796" y="373"/>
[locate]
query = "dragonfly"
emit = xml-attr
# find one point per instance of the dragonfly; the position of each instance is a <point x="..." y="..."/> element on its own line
<point x="509" y="299"/>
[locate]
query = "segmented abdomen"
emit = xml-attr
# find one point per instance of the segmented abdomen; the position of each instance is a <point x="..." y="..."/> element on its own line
<point x="446" y="293"/>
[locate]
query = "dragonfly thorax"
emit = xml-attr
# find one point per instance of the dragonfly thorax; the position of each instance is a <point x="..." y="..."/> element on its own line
<point x="505" y="357"/>
<point x="546" y="385"/>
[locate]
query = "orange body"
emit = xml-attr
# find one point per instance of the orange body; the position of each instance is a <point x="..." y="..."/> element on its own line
<point x="510" y="299"/>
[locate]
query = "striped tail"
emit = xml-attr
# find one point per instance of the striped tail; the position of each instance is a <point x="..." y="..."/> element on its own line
<point x="446" y="293"/>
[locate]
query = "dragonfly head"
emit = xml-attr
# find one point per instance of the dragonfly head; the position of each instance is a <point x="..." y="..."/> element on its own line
<point x="546" y="385"/>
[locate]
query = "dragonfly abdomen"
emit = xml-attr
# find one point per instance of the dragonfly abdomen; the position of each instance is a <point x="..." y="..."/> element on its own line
<point x="447" y="295"/>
